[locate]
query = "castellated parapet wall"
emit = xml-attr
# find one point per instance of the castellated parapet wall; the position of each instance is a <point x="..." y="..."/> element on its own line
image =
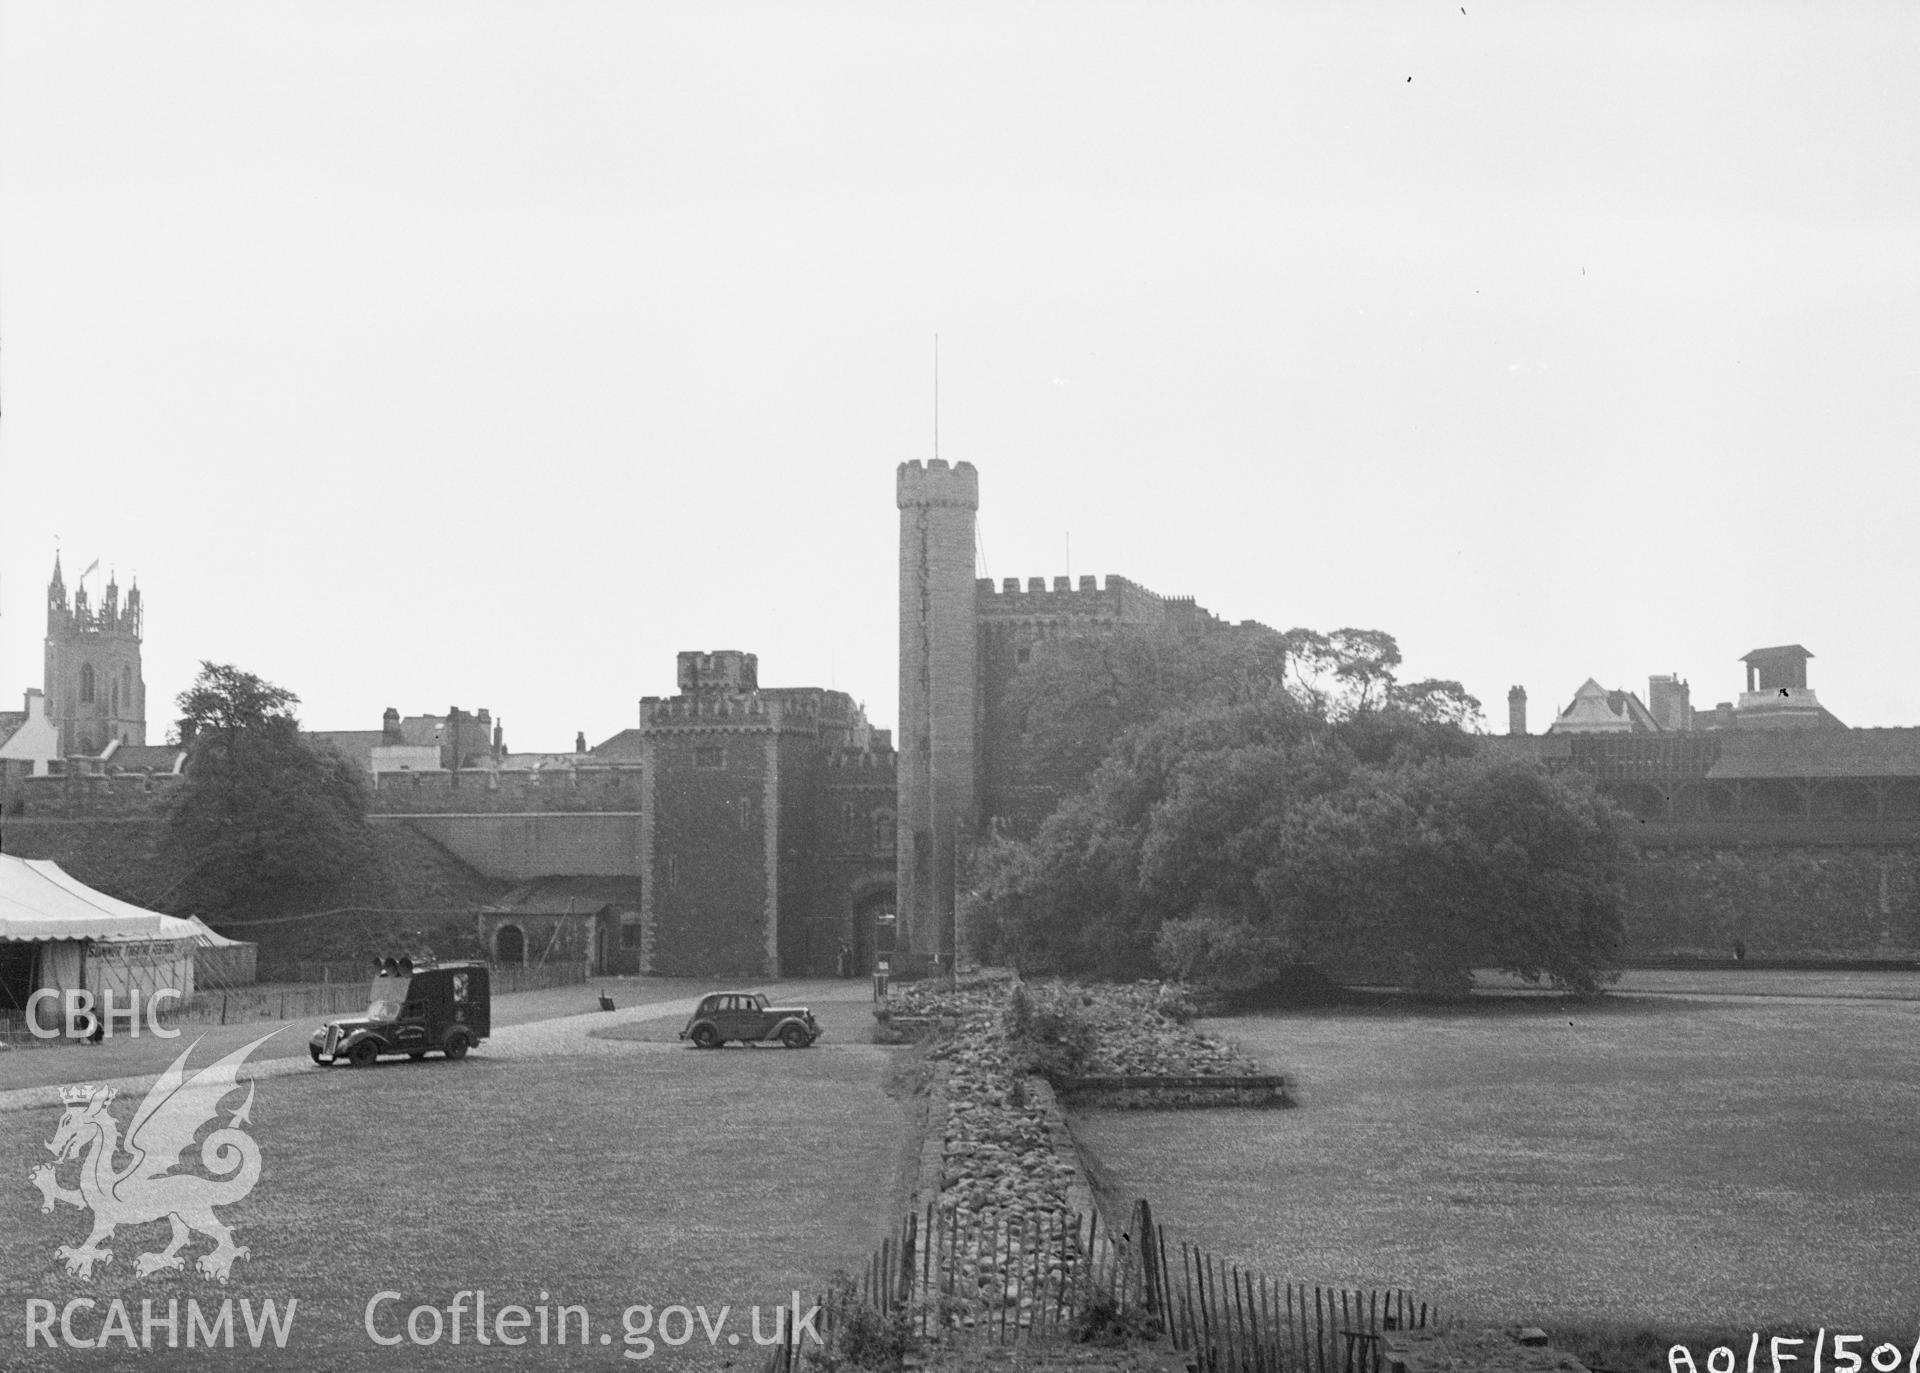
<point x="937" y="484"/>
<point x="126" y="795"/>
<point x="754" y="712"/>
<point x="1121" y="601"/>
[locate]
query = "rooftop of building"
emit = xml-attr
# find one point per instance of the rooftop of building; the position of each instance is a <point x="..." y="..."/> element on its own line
<point x="147" y="757"/>
<point x="1598" y="708"/>
<point x="622" y="747"/>
<point x="1746" y="753"/>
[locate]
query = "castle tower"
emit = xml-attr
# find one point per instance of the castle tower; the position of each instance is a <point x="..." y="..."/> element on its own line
<point x="95" y="693"/>
<point x="938" y="672"/>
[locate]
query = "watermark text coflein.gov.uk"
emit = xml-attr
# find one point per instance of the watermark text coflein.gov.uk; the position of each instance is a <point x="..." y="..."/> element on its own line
<point x="467" y="1318"/>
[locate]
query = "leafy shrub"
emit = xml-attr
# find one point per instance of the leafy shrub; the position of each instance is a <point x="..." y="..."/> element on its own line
<point x="861" y="1335"/>
<point x="1104" y="1321"/>
<point x="1049" y="1031"/>
<point x="1217" y="951"/>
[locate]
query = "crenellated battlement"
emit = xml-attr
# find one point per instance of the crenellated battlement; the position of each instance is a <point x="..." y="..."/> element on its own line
<point x="748" y="711"/>
<point x="1119" y="599"/>
<point x="937" y="484"/>
<point x="1038" y="586"/>
<point x="724" y="670"/>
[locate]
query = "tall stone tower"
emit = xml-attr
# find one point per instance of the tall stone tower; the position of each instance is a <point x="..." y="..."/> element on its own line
<point x="95" y="694"/>
<point x="938" y="676"/>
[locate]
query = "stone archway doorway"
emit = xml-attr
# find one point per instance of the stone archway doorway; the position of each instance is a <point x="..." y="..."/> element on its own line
<point x="868" y="908"/>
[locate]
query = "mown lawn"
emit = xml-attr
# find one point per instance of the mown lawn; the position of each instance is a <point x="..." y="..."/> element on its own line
<point x="1649" y="1163"/>
<point x="655" y="1176"/>
<point x="1851" y="984"/>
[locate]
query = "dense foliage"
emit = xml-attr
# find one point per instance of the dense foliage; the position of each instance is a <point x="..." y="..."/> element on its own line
<point x="1348" y="825"/>
<point x="264" y="822"/>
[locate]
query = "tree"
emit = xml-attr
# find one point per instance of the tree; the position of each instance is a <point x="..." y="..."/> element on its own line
<point x="223" y="698"/>
<point x="1344" y="672"/>
<point x="1082" y="692"/>
<point x="1435" y="702"/>
<point x="1233" y="843"/>
<point x="1428" y="870"/>
<point x="264" y="822"/>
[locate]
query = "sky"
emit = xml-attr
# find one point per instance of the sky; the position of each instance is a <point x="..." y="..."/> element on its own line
<point x="489" y="355"/>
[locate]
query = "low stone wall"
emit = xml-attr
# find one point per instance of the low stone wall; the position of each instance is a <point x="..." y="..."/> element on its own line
<point x="999" y="1166"/>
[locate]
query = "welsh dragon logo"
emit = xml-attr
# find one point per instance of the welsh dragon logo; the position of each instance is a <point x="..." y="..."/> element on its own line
<point x="146" y="1188"/>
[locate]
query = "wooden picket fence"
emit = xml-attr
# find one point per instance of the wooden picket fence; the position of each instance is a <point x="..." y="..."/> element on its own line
<point x="996" y="1277"/>
<point x="982" y="1278"/>
<point x="1236" y="1320"/>
<point x="963" y="1277"/>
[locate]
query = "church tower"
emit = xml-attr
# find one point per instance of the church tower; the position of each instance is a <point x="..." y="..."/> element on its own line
<point x="938" y="675"/>
<point x="95" y="694"/>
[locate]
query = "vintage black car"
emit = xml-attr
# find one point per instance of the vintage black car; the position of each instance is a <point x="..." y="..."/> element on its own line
<point x="412" y="1010"/>
<point x="749" y="1018"/>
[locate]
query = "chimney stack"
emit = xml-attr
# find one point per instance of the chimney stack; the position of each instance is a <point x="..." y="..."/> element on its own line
<point x="1669" y="700"/>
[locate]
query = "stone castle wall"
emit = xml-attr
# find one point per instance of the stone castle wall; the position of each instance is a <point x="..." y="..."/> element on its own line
<point x="484" y="790"/>
<point x="1774" y="901"/>
<point x="409" y="884"/>
<point x="135" y="795"/>
<point x="116" y="853"/>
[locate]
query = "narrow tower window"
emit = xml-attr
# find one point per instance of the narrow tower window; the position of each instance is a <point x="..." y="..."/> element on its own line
<point x="86" y="683"/>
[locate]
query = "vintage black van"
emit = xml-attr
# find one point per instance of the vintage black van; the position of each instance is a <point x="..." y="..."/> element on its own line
<point x="412" y="1010"/>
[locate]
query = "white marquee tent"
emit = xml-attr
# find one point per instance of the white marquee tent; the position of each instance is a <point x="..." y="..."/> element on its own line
<point x="58" y="933"/>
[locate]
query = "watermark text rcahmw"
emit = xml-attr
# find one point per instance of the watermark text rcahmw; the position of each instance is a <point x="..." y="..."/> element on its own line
<point x="194" y="1328"/>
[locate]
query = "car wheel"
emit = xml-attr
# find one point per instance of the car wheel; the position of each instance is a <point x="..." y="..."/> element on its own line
<point x="363" y="1054"/>
<point x="705" y="1037"/>
<point x="313" y="1053"/>
<point x="795" y="1038"/>
<point x="458" y="1044"/>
